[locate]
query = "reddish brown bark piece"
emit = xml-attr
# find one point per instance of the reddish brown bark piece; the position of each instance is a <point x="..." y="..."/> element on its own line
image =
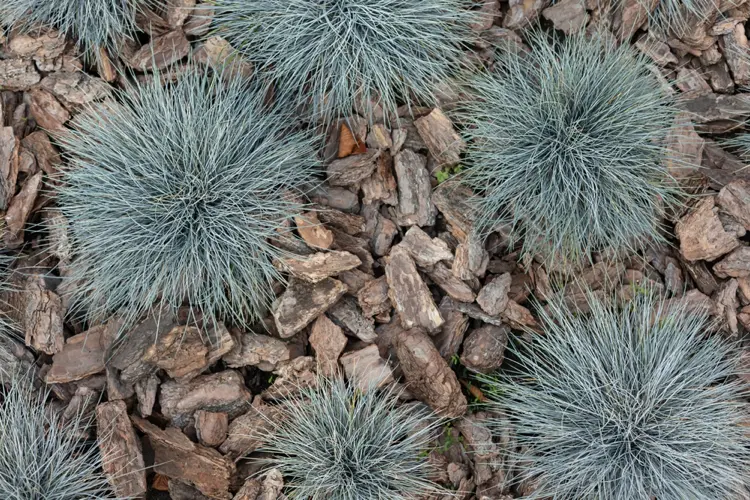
<point x="319" y="266"/>
<point x="347" y="314"/>
<point x="452" y="200"/>
<point x="736" y="264"/>
<point x="82" y="355"/>
<point x="735" y="51"/>
<point x="350" y="224"/>
<point x="211" y="427"/>
<point x="569" y="16"/>
<point x="42" y="317"/>
<point x="303" y="302"/>
<point x="313" y="232"/>
<point x="493" y="297"/>
<point x="37" y="44"/>
<point x="47" y="111"/>
<point x="161" y="52"/>
<point x="45" y="153"/>
<point x="217" y="53"/>
<point x="440" y="136"/>
<point x="178" y="11"/>
<point x="328" y="341"/>
<point x="451" y="335"/>
<point x="484" y="348"/>
<point x="352" y="169"/>
<point x="734" y="199"/>
<point x="471" y="258"/>
<point x="428" y="375"/>
<point x="76" y="89"/>
<point x="251" y="430"/>
<point x="20" y="209"/>
<point x="263" y="351"/>
<point x="381" y="185"/>
<point x="221" y="392"/>
<point x="178" y="458"/>
<point x="701" y="235"/>
<point x="373" y="297"/>
<point x="249" y="491"/>
<point x="414" y="203"/>
<point x="409" y="294"/>
<point x="122" y="458"/>
<point x="523" y="13"/>
<point x="181" y="353"/>
<point x="424" y="250"/>
<point x="366" y="369"/>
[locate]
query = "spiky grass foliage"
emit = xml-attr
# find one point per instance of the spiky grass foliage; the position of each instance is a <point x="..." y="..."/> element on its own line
<point x="173" y="194"/>
<point x="332" y="56"/>
<point x="42" y="456"/>
<point x="565" y="143"/>
<point x="628" y="403"/>
<point x="335" y="442"/>
<point x="93" y="24"/>
<point x="677" y="17"/>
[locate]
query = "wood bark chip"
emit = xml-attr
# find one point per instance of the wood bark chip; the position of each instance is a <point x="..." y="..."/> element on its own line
<point x="145" y="392"/>
<point x="199" y="22"/>
<point x="249" y="491"/>
<point x="382" y="238"/>
<point x="366" y="369"/>
<point x="217" y="53"/>
<point x="178" y="11"/>
<point x="18" y="74"/>
<point x="251" y="430"/>
<point x="183" y="491"/>
<point x="352" y="169"/>
<point x="47" y="110"/>
<point x="319" y="266"/>
<point x="356" y="245"/>
<point x="735" y="47"/>
<point x="414" y="189"/>
<point x="428" y="375"/>
<point x="727" y="305"/>
<point x="313" y="232"/>
<point x="181" y="353"/>
<point x="328" y="341"/>
<point x="438" y="133"/>
<point x="20" y="209"/>
<point x="47" y="157"/>
<point x="484" y="348"/>
<point x="714" y="107"/>
<point x="349" y="224"/>
<point x="409" y="294"/>
<point x="303" y="302"/>
<point x="452" y="200"/>
<point x="381" y="185"/>
<point x="42" y="317"/>
<point x="450" y="284"/>
<point x="568" y="16"/>
<point x="75" y="89"/>
<point x="448" y="341"/>
<point x="701" y="235"/>
<point x="523" y="13"/>
<point x="211" y="427"/>
<point x="221" y="392"/>
<point x="178" y="458"/>
<point x="734" y="199"/>
<point x="347" y="314"/>
<point x="493" y="297"/>
<point x="122" y="458"/>
<point x="734" y="265"/>
<point x="252" y="349"/>
<point x="299" y="373"/>
<point x="424" y="250"/>
<point x="82" y="355"/>
<point x="373" y="297"/>
<point x="471" y="258"/>
<point x="656" y="49"/>
<point x="161" y="52"/>
<point x="9" y="147"/>
<point x="38" y="45"/>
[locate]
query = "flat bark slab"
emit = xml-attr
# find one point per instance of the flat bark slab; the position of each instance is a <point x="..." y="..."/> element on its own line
<point x="122" y="457"/>
<point x="425" y="251"/>
<point x="373" y="297"/>
<point x="352" y="169"/>
<point x="701" y="234"/>
<point x="253" y="349"/>
<point x="211" y="427"/>
<point x="493" y="297"/>
<point x="381" y="185"/>
<point x="484" y="348"/>
<point x="161" y="52"/>
<point x="303" y="302"/>
<point x="347" y="314"/>
<point x="441" y="138"/>
<point x="18" y="74"/>
<point x="251" y="430"/>
<point x="366" y="369"/>
<point x="315" y="234"/>
<point x="9" y="163"/>
<point x="414" y="202"/>
<point x="734" y="199"/>
<point x="428" y="375"/>
<point x="19" y="210"/>
<point x="219" y="392"/>
<point x="443" y="277"/>
<point x="734" y="265"/>
<point x="83" y="355"/>
<point x="568" y="16"/>
<point x="319" y="266"/>
<point x="448" y="341"/>
<point x="328" y="341"/>
<point x="181" y="353"/>
<point x="76" y="89"/>
<point x="47" y="110"/>
<point x="409" y="294"/>
<point x="453" y="201"/>
<point x="176" y="457"/>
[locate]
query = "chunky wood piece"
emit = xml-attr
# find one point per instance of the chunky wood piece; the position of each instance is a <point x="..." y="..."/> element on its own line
<point x="303" y="302"/>
<point x="366" y="368"/>
<point x="211" y="427"/>
<point x="493" y="297"/>
<point x="409" y="295"/>
<point x="424" y="250"/>
<point x="252" y="349"/>
<point x="319" y="266"/>
<point x="414" y="189"/>
<point x="440" y="136"/>
<point x="701" y="234"/>
<point x="484" y="348"/>
<point x="328" y="341"/>
<point x="122" y="458"/>
<point x="352" y="169"/>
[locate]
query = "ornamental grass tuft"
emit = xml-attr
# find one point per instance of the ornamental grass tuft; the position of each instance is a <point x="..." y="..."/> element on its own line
<point x="627" y="403"/>
<point x="337" y="57"/>
<point x="173" y="194"/>
<point x="336" y="442"/>
<point x="566" y="145"/>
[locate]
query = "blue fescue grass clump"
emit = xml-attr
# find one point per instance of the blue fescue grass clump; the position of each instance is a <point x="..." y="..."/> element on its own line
<point x="332" y="56"/>
<point x="566" y="145"/>
<point x="41" y="455"/>
<point x="628" y="403"/>
<point x="336" y="442"/>
<point x="173" y="193"/>
<point x="93" y="24"/>
<point x="678" y="17"/>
